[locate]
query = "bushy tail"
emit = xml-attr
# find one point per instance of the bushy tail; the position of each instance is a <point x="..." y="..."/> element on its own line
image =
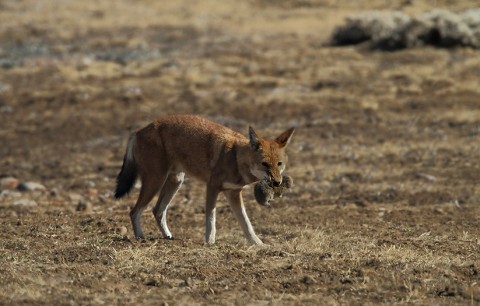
<point x="128" y="175"/>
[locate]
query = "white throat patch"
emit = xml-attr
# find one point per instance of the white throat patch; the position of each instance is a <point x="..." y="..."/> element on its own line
<point x="259" y="174"/>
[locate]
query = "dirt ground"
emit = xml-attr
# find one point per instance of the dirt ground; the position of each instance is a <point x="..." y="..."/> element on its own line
<point x="386" y="156"/>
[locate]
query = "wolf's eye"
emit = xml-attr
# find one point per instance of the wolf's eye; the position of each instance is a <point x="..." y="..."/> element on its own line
<point x="266" y="165"/>
<point x="279" y="164"/>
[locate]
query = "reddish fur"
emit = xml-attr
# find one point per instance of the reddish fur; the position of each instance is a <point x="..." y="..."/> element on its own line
<point x="222" y="158"/>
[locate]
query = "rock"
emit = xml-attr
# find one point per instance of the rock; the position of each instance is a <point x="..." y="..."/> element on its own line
<point x="427" y="177"/>
<point x="5" y="87"/>
<point x="54" y="192"/>
<point x="90" y="184"/>
<point x="31" y="186"/>
<point x="75" y="197"/>
<point x="370" y="26"/>
<point x="6" y="109"/>
<point x="102" y="198"/>
<point x="308" y="280"/>
<point x="85" y="207"/>
<point x="10" y="194"/>
<point x="107" y="262"/>
<point x="122" y="230"/>
<point x="152" y="282"/>
<point x="188" y="282"/>
<point x="132" y="92"/>
<point x="397" y="30"/>
<point x="8" y="183"/>
<point x="25" y="203"/>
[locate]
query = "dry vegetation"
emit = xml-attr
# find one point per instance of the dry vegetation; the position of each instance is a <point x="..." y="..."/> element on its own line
<point x="385" y="159"/>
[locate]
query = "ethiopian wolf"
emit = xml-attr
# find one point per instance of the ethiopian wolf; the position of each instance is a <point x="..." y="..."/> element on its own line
<point x="163" y="151"/>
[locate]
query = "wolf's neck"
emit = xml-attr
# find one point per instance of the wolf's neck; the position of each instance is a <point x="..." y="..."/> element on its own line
<point x="244" y="161"/>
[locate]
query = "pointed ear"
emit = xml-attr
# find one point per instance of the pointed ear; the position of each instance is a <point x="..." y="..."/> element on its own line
<point x="284" y="139"/>
<point x="254" y="139"/>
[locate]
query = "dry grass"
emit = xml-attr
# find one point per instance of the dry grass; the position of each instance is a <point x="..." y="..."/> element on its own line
<point x="347" y="261"/>
<point x="386" y="204"/>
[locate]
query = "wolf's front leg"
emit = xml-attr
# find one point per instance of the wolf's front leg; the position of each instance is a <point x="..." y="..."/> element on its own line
<point x="210" y="210"/>
<point x="235" y="200"/>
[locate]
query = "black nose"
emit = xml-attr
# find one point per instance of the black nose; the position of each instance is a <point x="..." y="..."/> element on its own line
<point x="276" y="184"/>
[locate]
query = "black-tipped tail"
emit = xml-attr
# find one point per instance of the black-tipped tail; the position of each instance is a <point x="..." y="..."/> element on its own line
<point x="128" y="175"/>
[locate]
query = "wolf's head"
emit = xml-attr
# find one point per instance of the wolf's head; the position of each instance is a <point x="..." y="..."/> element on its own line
<point x="270" y="157"/>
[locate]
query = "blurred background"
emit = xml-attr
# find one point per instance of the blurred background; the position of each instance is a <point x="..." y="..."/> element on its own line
<point x="78" y="76"/>
<point x="384" y="94"/>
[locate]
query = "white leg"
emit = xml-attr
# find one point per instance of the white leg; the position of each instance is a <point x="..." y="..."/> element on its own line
<point x="234" y="197"/>
<point x="210" y="215"/>
<point x="168" y="192"/>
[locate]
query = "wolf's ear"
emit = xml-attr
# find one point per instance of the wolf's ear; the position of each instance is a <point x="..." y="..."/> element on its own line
<point x="284" y="139"/>
<point x="254" y="139"/>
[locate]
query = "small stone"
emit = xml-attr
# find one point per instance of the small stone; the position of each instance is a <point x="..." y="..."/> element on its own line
<point x="4" y="87"/>
<point x="325" y="256"/>
<point x="125" y="238"/>
<point x="152" y="282"/>
<point x="90" y="184"/>
<point x="75" y="197"/>
<point x="85" y="207"/>
<point x="54" y="192"/>
<point x="346" y="281"/>
<point x="25" y="203"/>
<point x="8" y="183"/>
<point x="132" y="92"/>
<point x="6" y="109"/>
<point x="122" y="230"/>
<point x="91" y="192"/>
<point x="308" y="280"/>
<point x="427" y="177"/>
<point x="10" y="194"/>
<point x="107" y="262"/>
<point x="31" y="186"/>
<point x="102" y="198"/>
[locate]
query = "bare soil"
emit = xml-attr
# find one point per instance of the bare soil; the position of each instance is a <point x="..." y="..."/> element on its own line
<point x="386" y="203"/>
